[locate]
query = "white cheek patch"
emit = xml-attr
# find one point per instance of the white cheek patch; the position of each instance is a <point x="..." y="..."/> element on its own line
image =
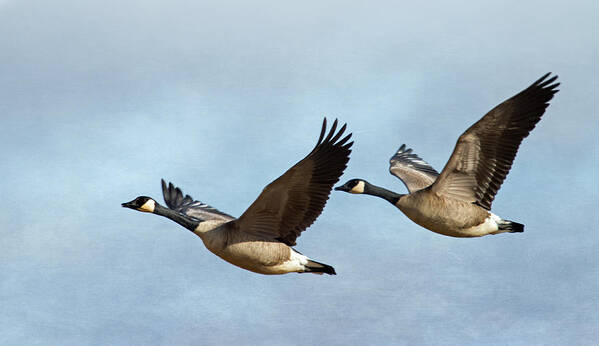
<point x="359" y="188"/>
<point x="149" y="206"/>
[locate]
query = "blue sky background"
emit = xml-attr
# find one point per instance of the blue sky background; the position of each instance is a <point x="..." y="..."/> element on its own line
<point x="99" y="100"/>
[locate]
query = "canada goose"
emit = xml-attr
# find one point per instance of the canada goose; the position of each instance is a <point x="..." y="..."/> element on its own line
<point x="457" y="202"/>
<point x="261" y="239"/>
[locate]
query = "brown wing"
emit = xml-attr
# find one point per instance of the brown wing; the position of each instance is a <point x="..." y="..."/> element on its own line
<point x="414" y="172"/>
<point x="292" y="202"/>
<point x="483" y="155"/>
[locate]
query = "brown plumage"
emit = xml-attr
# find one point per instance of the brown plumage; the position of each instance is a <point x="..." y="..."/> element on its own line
<point x="483" y="155"/>
<point x="414" y="172"/>
<point x="457" y="202"/>
<point x="261" y="239"/>
<point x="291" y="203"/>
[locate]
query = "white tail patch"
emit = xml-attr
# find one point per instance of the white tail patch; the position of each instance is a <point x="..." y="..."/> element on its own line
<point x="489" y="226"/>
<point x="295" y="263"/>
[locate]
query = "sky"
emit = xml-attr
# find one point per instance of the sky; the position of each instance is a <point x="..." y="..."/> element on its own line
<point x="99" y="100"/>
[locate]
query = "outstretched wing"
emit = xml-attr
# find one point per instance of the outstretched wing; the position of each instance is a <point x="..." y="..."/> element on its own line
<point x="292" y="202"/>
<point x="173" y="197"/>
<point x="483" y="155"/>
<point x="414" y="172"/>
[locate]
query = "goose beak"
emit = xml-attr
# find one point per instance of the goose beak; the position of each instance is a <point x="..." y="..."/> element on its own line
<point x="341" y="188"/>
<point x="129" y="205"/>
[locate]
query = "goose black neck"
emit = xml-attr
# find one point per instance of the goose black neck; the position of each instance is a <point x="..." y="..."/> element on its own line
<point x="385" y="194"/>
<point x="183" y="220"/>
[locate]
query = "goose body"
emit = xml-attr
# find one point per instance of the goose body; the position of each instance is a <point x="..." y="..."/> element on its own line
<point x="457" y="201"/>
<point x="251" y="252"/>
<point x="448" y="216"/>
<point x="261" y="239"/>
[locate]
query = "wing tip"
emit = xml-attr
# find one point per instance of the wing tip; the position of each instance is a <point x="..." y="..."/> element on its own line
<point x="403" y="151"/>
<point x="333" y="136"/>
<point x="173" y="195"/>
<point x="407" y="156"/>
<point x="547" y="84"/>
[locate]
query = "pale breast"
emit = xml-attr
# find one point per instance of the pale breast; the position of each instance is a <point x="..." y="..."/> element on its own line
<point x="442" y="215"/>
<point x="250" y="252"/>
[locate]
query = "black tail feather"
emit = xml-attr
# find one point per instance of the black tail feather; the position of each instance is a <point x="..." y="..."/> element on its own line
<point x="319" y="268"/>
<point x="511" y="226"/>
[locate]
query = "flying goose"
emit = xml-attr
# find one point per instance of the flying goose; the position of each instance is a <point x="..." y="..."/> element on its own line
<point x="261" y="239"/>
<point x="457" y="202"/>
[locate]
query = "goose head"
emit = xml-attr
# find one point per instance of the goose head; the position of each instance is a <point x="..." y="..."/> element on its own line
<point x="141" y="203"/>
<point x="353" y="186"/>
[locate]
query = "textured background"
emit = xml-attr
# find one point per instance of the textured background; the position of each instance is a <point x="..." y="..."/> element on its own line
<point x="101" y="99"/>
